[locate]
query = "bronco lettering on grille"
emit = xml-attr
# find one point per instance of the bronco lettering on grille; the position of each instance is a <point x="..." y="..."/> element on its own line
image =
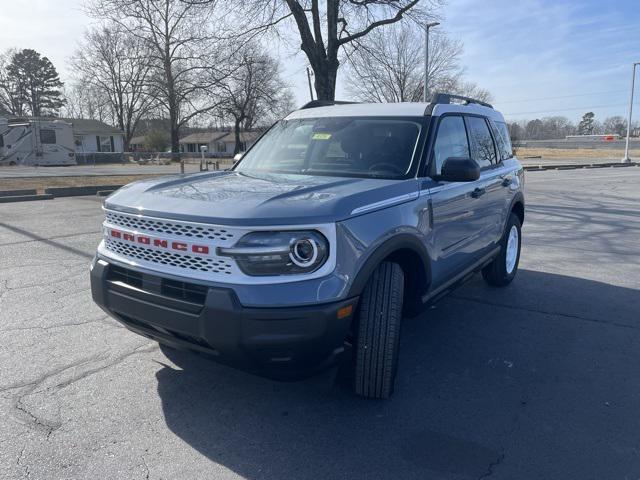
<point x="159" y="243"/>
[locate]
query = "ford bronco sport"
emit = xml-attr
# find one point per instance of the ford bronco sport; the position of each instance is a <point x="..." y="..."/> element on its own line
<point x="339" y="221"/>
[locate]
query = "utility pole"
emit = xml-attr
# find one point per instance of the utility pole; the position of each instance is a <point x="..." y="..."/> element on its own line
<point x="426" y="60"/>
<point x="626" y="158"/>
<point x="309" y="80"/>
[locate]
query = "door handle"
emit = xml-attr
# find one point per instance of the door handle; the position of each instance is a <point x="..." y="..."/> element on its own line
<point x="478" y="192"/>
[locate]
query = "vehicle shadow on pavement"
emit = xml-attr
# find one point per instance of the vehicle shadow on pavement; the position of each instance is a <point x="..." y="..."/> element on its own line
<point x="521" y="380"/>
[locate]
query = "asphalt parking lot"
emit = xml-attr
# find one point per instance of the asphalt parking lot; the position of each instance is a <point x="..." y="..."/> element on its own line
<point x="536" y="381"/>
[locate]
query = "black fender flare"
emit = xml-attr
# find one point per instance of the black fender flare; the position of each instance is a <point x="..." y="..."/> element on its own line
<point x="517" y="198"/>
<point x="401" y="241"/>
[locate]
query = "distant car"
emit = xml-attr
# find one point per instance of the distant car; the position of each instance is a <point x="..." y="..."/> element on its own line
<point x="339" y="220"/>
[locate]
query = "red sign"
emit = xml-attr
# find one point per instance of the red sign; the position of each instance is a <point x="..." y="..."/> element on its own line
<point x="159" y="242"/>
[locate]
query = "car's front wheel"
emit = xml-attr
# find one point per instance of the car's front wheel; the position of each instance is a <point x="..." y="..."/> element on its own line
<point x="502" y="270"/>
<point x="378" y="332"/>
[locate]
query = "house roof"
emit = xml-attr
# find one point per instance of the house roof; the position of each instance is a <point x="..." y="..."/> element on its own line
<point x="203" y="137"/>
<point x="244" y="137"/>
<point x="216" y="136"/>
<point x="86" y="126"/>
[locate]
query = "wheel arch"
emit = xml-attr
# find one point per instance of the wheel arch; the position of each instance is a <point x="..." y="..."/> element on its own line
<point x="410" y="253"/>
<point x="517" y="207"/>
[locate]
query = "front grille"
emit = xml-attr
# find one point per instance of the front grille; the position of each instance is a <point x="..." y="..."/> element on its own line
<point x="192" y="262"/>
<point x="126" y="276"/>
<point x="176" y="289"/>
<point x="173" y="228"/>
<point x="190" y="292"/>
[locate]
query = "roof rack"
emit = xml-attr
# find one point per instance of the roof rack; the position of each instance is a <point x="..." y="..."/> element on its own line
<point x="324" y="103"/>
<point x="445" y="98"/>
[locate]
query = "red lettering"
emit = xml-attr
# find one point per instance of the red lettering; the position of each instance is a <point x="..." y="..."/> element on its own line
<point x="115" y="233"/>
<point x="179" y="246"/>
<point x="128" y="236"/>
<point x="144" y="240"/>
<point x="203" y="249"/>
<point x="160" y="243"/>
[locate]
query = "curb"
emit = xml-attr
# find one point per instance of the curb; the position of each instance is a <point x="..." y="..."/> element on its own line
<point x="17" y="193"/>
<point x="577" y="166"/>
<point x="104" y="193"/>
<point x="79" y="191"/>
<point x="25" y="198"/>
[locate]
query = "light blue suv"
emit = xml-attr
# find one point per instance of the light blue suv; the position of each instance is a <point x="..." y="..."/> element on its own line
<point x="339" y="221"/>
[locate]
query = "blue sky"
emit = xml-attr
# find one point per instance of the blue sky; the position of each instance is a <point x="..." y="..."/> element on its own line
<point x="522" y="51"/>
<point x="525" y="51"/>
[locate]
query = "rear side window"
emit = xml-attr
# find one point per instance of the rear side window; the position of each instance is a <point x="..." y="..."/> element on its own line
<point x="451" y="141"/>
<point x="501" y="133"/>
<point x="47" y="136"/>
<point x="482" y="148"/>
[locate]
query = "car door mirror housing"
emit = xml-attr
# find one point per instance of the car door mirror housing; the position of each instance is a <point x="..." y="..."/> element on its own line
<point x="459" y="169"/>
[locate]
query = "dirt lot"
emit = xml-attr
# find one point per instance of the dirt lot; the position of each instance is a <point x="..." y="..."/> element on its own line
<point x="559" y="153"/>
<point x="45" y="182"/>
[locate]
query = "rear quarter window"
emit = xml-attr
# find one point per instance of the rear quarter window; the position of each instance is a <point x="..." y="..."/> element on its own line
<point x="501" y="133"/>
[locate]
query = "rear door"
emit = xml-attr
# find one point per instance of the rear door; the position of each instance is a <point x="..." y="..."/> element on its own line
<point x="488" y="191"/>
<point x="456" y="233"/>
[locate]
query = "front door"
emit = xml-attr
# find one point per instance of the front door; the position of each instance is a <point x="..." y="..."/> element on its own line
<point x="457" y="229"/>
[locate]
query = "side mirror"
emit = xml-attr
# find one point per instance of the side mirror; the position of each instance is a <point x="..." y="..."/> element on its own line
<point x="457" y="169"/>
<point x="238" y="156"/>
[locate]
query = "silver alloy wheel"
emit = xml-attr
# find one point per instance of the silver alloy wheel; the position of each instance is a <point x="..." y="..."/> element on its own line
<point x="512" y="249"/>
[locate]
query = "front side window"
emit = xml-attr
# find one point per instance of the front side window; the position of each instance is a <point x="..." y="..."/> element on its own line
<point x="451" y="141"/>
<point x="482" y="149"/>
<point x="350" y="146"/>
<point x="47" y="136"/>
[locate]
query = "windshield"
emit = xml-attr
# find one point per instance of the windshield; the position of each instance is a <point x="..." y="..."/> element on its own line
<point x="349" y="146"/>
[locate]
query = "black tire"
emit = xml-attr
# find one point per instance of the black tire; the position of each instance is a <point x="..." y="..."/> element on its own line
<point x="378" y="333"/>
<point x="496" y="274"/>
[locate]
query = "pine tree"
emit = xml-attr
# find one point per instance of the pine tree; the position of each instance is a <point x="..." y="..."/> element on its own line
<point x="587" y="124"/>
<point x="37" y="82"/>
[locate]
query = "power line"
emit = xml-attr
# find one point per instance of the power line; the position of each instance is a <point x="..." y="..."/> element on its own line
<point x="586" y="109"/>
<point x="560" y="96"/>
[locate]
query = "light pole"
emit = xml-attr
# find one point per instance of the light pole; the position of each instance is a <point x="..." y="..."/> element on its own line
<point x="309" y="73"/>
<point x="626" y="158"/>
<point x="426" y="59"/>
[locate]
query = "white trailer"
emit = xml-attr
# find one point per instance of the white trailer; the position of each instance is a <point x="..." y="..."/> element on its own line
<point x="36" y="142"/>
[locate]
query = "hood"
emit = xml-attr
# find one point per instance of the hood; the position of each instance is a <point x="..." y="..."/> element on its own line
<point x="239" y="198"/>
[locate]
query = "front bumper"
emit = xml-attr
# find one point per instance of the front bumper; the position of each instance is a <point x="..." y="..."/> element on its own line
<point x="283" y="342"/>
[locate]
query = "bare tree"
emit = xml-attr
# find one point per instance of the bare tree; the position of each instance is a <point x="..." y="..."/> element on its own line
<point x="87" y="101"/>
<point x="114" y="62"/>
<point x="254" y="93"/>
<point x="616" y="125"/>
<point x="12" y="99"/>
<point x="325" y="28"/>
<point x="388" y="66"/>
<point x="185" y="67"/>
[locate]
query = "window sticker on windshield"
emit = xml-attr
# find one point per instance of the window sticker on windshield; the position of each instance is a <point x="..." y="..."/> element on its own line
<point x="321" y="136"/>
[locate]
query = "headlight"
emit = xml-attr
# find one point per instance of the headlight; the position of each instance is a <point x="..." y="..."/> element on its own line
<point x="279" y="253"/>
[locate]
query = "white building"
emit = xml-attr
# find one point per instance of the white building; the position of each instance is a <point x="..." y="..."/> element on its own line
<point x="217" y="143"/>
<point x="93" y="136"/>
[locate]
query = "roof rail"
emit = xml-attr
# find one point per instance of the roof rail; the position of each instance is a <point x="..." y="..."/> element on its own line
<point x="324" y="103"/>
<point x="445" y="98"/>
